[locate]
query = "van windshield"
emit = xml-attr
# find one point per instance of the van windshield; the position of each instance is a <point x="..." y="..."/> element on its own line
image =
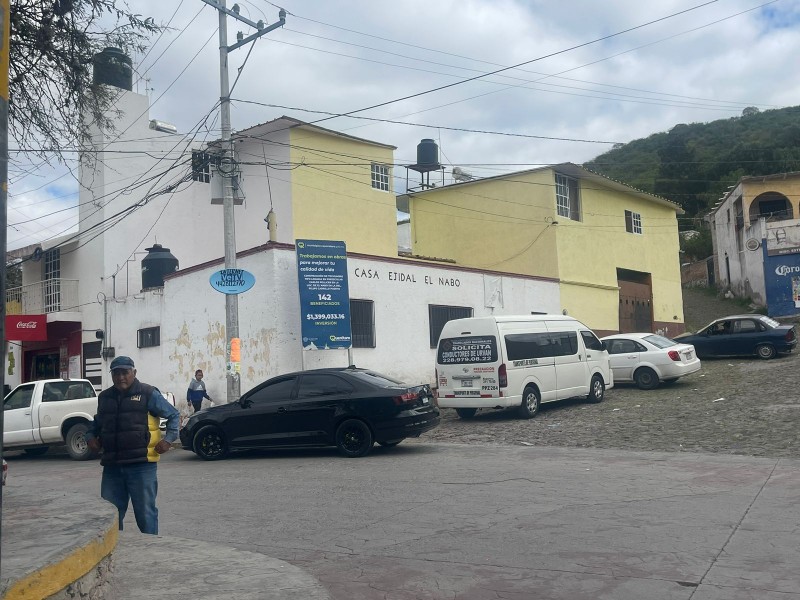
<point x="467" y="350"/>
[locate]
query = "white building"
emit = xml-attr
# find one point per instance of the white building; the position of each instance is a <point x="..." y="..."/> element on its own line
<point x="142" y="186"/>
<point x="401" y="307"/>
<point x="756" y="236"/>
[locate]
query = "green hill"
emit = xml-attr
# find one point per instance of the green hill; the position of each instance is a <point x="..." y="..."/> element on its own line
<point x="695" y="164"/>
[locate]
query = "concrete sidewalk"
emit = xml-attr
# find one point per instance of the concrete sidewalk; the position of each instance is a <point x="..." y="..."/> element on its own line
<point x="147" y="566"/>
<point x="63" y="545"/>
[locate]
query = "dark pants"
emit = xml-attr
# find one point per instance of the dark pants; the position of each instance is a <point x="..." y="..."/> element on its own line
<point x="137" y="483"/>
<point x="197" y="404"/>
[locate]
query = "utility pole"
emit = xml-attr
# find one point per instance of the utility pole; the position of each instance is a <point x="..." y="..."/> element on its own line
<point x="227" y="169"/>
<point x="5" y="33"/>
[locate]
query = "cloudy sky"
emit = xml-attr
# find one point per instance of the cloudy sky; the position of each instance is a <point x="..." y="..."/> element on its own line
<point x="587" y="75"/>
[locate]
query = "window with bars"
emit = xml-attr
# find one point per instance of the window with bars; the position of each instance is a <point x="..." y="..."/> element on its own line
<point x="201" y="169"/>
<point x="567" y="199"/>
<point x="148" y="337"/>
<point x="380" y="177"/>
<point x="362" y="323"/>
<point x="633" y="222"/>
<point x="438" y="315"/>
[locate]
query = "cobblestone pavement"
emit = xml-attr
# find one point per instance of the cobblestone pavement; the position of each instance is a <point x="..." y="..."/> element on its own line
<point x="733" y="406"/>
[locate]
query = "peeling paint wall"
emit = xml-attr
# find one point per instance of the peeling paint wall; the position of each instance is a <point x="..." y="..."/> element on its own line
<point x="193" y="319"/>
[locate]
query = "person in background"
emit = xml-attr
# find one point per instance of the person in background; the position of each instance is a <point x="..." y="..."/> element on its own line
<point x="197" y="391"/>
<point x="126" y="429"/>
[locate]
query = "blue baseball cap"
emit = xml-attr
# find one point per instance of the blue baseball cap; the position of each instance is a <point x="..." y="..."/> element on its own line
<point x="122" y="362"/>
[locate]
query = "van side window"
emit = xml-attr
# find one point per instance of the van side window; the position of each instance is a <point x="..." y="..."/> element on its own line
<point x="590" y="341"/>
<point x="567" y="343"/>
<point x="528" y="345"/>
<point x="541" y="345"/>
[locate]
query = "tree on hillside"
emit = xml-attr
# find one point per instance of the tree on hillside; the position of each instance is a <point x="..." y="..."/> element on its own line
<point x="50" y="67"/>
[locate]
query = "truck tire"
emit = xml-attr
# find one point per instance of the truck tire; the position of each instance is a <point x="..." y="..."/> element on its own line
<point x="77" y="448"/>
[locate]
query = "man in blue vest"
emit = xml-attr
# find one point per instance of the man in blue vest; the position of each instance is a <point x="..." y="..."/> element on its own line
<point x="126" y="429"/>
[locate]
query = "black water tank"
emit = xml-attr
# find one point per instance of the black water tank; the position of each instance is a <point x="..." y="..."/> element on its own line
<point x="113" y="67"/>
<point x="155" y="265"/>
<point x="428" y="153"/>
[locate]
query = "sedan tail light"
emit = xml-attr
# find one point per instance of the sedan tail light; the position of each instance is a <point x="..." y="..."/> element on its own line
<point x="790" y="335"/>
<point x="674" y="355"/>
<point x="502" y="376"/>
<point x="406" y="398"/>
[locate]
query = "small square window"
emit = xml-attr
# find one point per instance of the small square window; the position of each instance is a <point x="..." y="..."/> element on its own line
<point x="633" y="222"/>
<point x="148" y="338"/>
<point x="380" y="177"/>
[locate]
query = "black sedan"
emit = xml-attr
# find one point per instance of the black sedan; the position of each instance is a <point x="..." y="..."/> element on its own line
<point x="349" y="408"/>
<point x="742" y="335"/>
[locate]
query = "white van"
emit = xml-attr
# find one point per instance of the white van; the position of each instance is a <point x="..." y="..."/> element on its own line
<point x="522" y="361"/>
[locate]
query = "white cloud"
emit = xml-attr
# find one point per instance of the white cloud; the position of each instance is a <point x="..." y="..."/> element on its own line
<point x="687" y="77"/>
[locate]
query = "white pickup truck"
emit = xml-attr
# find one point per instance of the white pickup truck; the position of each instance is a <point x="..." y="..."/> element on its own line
<point x="51" y="412"/>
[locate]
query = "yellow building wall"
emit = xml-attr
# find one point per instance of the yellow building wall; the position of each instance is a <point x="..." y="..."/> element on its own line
<point x="590" y="251"/>
<point x="500" y="224"/>
<point x="789" y="187"/>
<point x="332" y="193"/>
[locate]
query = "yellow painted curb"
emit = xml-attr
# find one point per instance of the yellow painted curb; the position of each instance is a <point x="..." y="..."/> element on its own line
<point x="54" y="578"/>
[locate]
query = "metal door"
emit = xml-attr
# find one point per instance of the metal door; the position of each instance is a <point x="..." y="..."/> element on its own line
<point x="635" y="307"/>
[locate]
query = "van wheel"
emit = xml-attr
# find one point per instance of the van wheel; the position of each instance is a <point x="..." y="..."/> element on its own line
<point x="466" y="413"/>
<point x="530" y="403"/>
<point x="597" y="390"/>
<point x="646" y="378"/>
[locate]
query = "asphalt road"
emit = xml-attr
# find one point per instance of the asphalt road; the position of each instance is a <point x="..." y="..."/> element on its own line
<point x="471" y="522"/>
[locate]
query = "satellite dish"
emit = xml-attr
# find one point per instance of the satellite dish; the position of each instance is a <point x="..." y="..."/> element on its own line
<point x="37" y="254"/>
<point x="752" y="244"/>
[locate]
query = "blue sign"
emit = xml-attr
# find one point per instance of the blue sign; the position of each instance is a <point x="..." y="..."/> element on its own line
<point x="782" y="282"/>
<point x="324" y="294"/>
<point x="232" y="281"/>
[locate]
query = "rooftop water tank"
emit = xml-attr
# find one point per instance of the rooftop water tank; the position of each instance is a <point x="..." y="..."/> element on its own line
<point x="427" y="154"/>
<point x="113" y="67"/>
<point x="158" y="263"/>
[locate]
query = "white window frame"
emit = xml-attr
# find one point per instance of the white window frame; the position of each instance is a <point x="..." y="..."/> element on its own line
<point x="633" y="222"/>
<point x="381" y="176"/>
<point x="566" y="205"/>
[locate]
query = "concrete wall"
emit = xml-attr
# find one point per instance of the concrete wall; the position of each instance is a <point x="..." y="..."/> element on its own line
<point x="591" y="250"/>
<point x="501" y="223"/>
<point x="334" y="197"/>
<point x="738" y="268"/>
<point x="508" y="223"/>
<point x="193" y="319"/>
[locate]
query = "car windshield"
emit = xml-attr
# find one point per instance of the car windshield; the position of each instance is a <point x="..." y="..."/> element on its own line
<point x="659" y="341"/>
<point x="377" y="379"/>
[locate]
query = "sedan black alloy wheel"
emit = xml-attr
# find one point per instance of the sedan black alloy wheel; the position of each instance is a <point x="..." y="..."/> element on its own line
<point x="354" y="438"/>
<point x="209" y="443"/>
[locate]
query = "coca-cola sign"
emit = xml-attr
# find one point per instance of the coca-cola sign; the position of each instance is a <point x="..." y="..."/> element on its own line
<point x="26" y="328"/>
